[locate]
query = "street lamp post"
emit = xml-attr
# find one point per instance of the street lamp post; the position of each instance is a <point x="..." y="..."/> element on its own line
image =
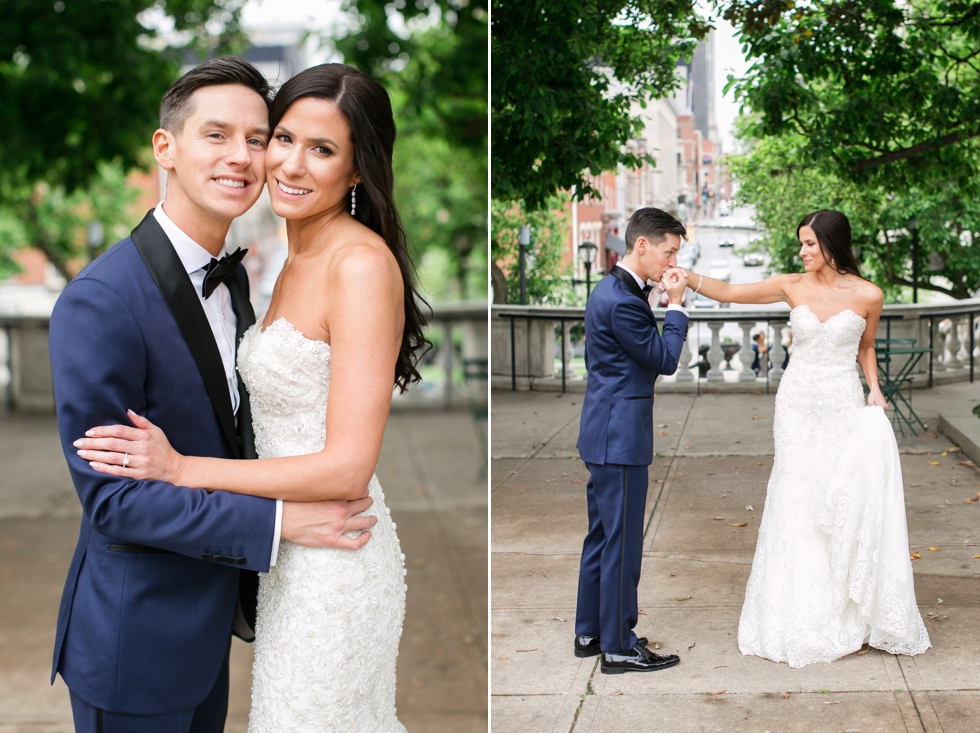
<point x="524" y="240"/>
<point x="587" y="252"/>
<point x="914" y="227"/>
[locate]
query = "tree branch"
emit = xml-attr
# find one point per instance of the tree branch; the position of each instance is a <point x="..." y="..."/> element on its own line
<point x="914" y="151"/>
<point x="39" y="241"/>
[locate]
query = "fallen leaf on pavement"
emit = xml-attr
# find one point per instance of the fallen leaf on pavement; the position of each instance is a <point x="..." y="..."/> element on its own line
<point x="673" y="574"/>
<point x="759" y="463"/>
<point x="718" y="518"/>
<point x="785" y="695"/>
<point x="975" y="557"/>
<point x="642" y="612"/>
<point x="932" y="435"/>
<point x="687" y="447"/>
<point x="662" y="426"/>
<point x="683" y="598"/>
<point x="933" y="549"/>
<point x="915" y="556"/>
<point x="576" y="481"/>
<point x="949" y="502"/>
<point x="749" y="508"/>
<point x="661" y="432"/>
<point x="617" y="693"/>
<point x="864" y="651"/>
<point x="933" y="463"/>
<point x="503" y="659"/>
<point x="965" y="463"/>
<point x="720" y="692"/>
<point x="738" y="524"/>
<point x="939" y="600"/>
<point x="973" y="499"/>
<point x="559" y="618"/>
<point x="526" y="650"/>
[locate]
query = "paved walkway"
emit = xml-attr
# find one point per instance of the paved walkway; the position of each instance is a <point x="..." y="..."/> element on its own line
<point x="714" y="455"/>
<point x="431" y="471"/>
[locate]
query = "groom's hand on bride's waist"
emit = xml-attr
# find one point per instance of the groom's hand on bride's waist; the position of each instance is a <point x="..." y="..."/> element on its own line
<point x="325" y="523"/>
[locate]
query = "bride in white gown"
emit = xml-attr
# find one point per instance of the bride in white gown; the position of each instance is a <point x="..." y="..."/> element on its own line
<point x="831" y="570"/>
<point x="343" y="320"/>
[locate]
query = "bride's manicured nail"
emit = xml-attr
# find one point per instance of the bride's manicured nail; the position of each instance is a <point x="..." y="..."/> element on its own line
<point x="83" y="453"/>
<point x="90" y="433"/>
<point x="78" y="443"/>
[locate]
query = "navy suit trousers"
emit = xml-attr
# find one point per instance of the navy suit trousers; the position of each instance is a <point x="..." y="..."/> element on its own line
<point x="208" y="717"/>
<point x="612" y="554"/>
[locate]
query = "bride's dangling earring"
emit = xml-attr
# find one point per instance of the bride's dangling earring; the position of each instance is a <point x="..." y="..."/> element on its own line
<point x="353" y="199"/>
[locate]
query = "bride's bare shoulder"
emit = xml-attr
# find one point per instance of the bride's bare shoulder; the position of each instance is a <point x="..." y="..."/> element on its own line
<point x="870" y="296"/>
<point x="363" y="257"/>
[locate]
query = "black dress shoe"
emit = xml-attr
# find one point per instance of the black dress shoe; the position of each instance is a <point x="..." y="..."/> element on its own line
<point x="588" y="646"/>
<point x="637" y="659"/>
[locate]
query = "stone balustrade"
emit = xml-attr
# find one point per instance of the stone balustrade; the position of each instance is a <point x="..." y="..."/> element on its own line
<point x="526" y="350"/>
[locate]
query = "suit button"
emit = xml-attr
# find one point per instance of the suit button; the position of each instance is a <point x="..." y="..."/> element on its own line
<point x="206" y="556"/>
<point x="229" y="559"/>
<point x="240" y="560"/>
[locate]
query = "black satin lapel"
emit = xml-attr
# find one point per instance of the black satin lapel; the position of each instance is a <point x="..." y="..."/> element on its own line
<point x="628" y="280"/>
<point x="245" y="318"/>
<point x="168" y="273"/>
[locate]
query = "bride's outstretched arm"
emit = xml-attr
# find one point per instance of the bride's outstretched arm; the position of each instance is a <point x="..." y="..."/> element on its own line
<point x="770" y="290"/>
<point x="867" y="358"/>
<point x="366" y="322"/>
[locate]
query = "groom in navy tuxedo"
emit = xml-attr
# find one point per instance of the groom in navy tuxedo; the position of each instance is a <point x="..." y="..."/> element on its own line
<point x="624" y="355"/>
<point x="163" y="575"/>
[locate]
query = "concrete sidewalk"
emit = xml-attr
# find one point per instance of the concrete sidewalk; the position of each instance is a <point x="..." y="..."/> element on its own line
<point x="433" y="473"/>
<point x="714" y="455"/>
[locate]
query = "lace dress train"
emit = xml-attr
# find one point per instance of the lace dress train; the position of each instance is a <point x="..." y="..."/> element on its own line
<point x="831" y="569"/>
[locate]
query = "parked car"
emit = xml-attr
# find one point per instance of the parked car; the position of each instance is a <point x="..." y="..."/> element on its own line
<point x="686" y="258"/>
<point x="726" y="240"/>
<point x="724" y="209"/>
<point x="720" y="270"/>
<point x="753" y="238"/>
<point x="752" y="259"/>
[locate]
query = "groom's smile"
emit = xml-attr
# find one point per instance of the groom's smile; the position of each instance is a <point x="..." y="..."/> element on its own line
<point x="215" y="158"/>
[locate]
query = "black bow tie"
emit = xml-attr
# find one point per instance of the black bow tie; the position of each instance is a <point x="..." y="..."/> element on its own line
<point x="647" y="289"/>
<point x="221" y="271"/>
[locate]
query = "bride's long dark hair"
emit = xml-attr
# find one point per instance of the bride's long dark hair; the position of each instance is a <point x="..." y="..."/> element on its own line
<point x="833" y="231"/>
<point x="366" y="106"/>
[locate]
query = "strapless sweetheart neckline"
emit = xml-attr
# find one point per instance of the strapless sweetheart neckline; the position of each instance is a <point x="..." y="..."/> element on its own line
<point x="262" y="329"/>
<point x="823" y="323"/>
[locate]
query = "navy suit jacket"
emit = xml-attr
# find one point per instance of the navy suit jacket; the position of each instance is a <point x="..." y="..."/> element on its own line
<point x="624" y="355"/>
<point x="147" y="610"/>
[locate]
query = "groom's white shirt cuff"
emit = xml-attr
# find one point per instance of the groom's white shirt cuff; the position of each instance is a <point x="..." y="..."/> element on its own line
<point x="670" y="307"/>
<point x="220" y="317"/>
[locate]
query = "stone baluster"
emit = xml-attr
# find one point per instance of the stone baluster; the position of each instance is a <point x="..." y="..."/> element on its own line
<point x="715" y="355"/>
<point x="777" y="353"/>
<point x="964" y="330"/>
<point x="569" y="350"/>
<point x="938" y="345"/>
<point x="745" y="353"/>
<point x="951" y="359"/>
<point x="684" y="372"/>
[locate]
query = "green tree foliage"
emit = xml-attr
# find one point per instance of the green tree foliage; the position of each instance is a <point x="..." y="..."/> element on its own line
<point x="884" y="92"/>
<point x="565" y="76"/>
<point x="783" y="191"/>
<point x="432" y="57"/>
<point x="80" y="84"/>
<point x="870" y="107"/>
<point x="543" y="268"/>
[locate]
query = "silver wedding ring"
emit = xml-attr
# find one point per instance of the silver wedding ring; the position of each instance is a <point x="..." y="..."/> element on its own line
<point x="125" y="460"/>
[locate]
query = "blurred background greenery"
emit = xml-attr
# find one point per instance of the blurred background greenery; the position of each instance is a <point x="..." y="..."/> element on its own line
<point x="81" y="82"/>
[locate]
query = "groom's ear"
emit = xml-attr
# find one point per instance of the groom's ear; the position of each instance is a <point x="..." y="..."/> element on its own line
<point x="163" y="148"/>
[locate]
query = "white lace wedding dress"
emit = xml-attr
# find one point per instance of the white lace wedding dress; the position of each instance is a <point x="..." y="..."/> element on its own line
<point x="329" y="621"/>
<point x="831" y="568"/>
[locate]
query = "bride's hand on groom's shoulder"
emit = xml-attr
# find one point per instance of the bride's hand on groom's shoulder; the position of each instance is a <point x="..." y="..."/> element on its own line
<point x="142" y="453"/>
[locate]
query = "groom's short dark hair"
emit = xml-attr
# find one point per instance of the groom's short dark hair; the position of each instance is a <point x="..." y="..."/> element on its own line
<point x="176" y="106"/>
<point x="653" y="225"/>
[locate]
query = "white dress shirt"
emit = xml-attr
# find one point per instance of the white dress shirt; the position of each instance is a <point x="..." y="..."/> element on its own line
<point x="221" y="317"/>
<point x="670" y="306"/>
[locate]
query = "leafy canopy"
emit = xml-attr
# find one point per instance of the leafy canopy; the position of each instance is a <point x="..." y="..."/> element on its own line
<point x="565" y="76"/>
